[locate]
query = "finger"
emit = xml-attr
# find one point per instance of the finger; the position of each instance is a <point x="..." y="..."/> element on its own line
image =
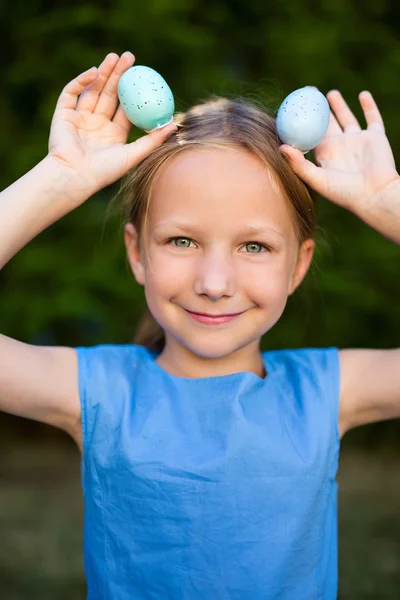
<point x="108" y="99"/>
<point x="69" y="96"/>
<point x="305" y="169"/>
<point x="142" y="147"/>
<point x="344" y="116"/>
<point x="333" y="130"/>
<point x="371" y="111"/>
<point x="88" y="99"/>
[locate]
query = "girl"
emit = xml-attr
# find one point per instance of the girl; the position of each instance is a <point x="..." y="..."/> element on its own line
<point x="208" y="466"/>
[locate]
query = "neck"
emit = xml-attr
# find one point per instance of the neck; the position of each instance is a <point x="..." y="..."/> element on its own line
<point x="178" y="360"/>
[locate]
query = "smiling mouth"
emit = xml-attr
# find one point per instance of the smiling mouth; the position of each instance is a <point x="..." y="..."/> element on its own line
<point x="213" y="319"/>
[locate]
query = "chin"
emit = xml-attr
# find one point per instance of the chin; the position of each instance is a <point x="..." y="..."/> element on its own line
<point x="213" y="346"/>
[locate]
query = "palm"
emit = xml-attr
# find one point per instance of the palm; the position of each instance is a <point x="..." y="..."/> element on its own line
<point x="88" y="141"/>
<point x="89" y="132"/>
<point x="353" y="165"/>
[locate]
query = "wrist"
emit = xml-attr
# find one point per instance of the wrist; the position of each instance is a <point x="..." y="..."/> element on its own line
<point x="66" y="183"/>
<point x="383" y="211"/>
<point x="390" y="194"/>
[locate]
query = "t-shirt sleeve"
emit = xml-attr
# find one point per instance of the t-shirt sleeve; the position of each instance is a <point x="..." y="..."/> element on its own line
<point x="103" y="392"/>
<point x="88" y="373"/>
<point x="311" y="395"/>
<point x="322" y="368"/>
<point x="321" y="372"/>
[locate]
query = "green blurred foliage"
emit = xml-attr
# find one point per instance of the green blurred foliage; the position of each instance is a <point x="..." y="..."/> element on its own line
<point x="71" y="285"/>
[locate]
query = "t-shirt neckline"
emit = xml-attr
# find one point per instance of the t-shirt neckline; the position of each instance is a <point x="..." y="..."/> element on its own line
<point x="151" y="355"/>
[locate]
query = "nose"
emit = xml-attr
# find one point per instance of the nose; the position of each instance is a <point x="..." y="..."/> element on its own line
<point x="214" y="276"/>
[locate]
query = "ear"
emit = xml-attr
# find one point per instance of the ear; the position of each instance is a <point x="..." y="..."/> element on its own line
<point x="304" y="258"/>
<point x="133" y="252"/>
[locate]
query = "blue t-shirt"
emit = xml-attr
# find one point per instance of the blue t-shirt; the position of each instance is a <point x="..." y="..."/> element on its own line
<point x="218" y="488"/>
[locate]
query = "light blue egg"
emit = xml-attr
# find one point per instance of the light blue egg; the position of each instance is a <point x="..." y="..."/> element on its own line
<point x="303" y="118"/>
<point x="146" y="98"/>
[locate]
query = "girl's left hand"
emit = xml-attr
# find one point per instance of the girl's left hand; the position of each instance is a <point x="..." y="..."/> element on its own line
<point x="355" y="166"/>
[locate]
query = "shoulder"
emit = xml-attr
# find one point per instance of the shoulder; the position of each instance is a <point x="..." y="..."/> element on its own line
<point x="106" y="358"/>
<point x="308" y="382"/>
<point x="312" y="362"/>
<point x="113" y="351"/>
<point x="108" y="376"/>
<point x="311" y="374"/>
<point x="108" y="371"/>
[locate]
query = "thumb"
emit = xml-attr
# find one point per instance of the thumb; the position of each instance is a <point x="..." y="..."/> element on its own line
<point x="305" y="169"/>
<point x="142" y="147"/>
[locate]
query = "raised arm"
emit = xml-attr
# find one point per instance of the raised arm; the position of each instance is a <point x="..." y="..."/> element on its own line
<point x="87" y="151"/>
<point x="355" y="169"/>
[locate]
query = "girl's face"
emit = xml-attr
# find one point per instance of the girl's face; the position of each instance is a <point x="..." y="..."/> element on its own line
<point x="219" y="240"/>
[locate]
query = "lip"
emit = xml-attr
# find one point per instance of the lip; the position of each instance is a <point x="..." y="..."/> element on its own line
<point x="212" y="319"/>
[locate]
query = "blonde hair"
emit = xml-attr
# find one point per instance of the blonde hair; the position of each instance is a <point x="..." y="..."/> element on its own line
<point x="216" y="123"/>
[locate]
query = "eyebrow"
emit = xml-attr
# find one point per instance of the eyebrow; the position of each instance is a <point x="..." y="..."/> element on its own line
<point x="249" y="230"/>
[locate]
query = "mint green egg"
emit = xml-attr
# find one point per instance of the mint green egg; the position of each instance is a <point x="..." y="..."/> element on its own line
<point x="146" y="98"/>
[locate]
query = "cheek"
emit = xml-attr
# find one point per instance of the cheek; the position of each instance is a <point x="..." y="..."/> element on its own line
<point x="165" y="275"/>
<point x="265" y="283"/>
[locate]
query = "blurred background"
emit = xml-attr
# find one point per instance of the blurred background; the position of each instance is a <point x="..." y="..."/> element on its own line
<point x="72" y="286"/>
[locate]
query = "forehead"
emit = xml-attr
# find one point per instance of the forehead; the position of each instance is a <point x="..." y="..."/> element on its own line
<point x="219" y="187"/>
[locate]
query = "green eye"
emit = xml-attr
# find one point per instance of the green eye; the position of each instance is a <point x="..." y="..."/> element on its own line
<point x="181" y="242"/>
<point x="254" y="248"/>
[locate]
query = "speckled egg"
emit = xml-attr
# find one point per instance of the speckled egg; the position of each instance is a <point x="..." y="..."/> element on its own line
<point x="146" y="98"/>
<point x="303" y="118"/>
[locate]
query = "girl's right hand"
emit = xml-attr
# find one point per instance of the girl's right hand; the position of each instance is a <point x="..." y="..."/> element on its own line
<point x="88" y="132"/>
